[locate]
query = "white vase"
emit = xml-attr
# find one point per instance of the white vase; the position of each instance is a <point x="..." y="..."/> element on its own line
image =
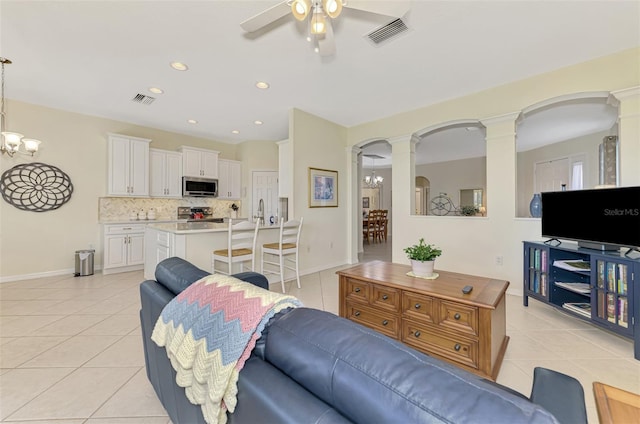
<point x="422" y="268"/>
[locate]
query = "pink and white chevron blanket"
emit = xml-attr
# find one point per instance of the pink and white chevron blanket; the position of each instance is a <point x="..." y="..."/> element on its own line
<point x="209" y="331"/>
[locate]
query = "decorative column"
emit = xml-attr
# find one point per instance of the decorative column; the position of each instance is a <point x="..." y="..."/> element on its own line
<point x="501" y="165"/>
<point x="629" y="135"/>
<point x="354" y="215"/>
<point x="403" y="175"/>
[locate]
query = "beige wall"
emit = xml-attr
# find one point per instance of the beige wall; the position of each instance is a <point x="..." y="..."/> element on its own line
<point x="452" y="176"/>
<point x="33" y="244"/>
<point x="40" y="243"/>
<point x="320" y="144"/>
<point x="473" y="245"/>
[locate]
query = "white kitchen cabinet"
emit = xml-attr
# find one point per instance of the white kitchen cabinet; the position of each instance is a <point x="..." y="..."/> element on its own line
<point x="229" y="179"/>
<point x="199" y="162"/>
<point x="123" y="248"/>
<point x="128" y="168"/>
<point x="285" y="169"/>
<point x="165" y="169"/>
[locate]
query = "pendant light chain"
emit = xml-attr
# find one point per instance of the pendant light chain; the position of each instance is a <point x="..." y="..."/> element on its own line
<point x="3" y="60"/>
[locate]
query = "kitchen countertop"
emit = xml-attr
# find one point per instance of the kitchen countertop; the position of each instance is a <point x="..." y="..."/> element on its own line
<point x="197" y="227"/>
<point x="141" y="221"/>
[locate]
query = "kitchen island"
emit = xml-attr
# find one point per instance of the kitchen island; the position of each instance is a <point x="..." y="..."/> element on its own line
<point x="194" y="242"/>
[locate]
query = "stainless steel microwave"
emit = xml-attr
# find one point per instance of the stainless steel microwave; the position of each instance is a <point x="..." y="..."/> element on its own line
<point x="199" y="187"/>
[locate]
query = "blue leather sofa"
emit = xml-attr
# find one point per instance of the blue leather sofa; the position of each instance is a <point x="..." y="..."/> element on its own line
<point x="312" y="366"/>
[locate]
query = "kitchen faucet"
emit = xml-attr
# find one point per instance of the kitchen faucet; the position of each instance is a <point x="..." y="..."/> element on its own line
<point x="260" y="215"/>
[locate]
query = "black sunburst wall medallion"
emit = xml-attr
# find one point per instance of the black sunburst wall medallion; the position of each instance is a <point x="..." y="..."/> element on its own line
<point x="36" y="187"/>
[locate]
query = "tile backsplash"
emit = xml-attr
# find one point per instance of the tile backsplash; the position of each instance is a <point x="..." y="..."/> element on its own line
<point x="120" y="208"/>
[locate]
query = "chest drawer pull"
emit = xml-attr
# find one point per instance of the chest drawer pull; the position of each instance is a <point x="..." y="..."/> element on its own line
<point x="385" y="297"/>
<point x="417" y="306"/>
<point x="417" y="334"/>
<point x="456" y="316"/>
<point x="457" y="347"/>
<point x="385" y="322"/>
<point x="357" y="313"/>
<point x="357" y="290"/>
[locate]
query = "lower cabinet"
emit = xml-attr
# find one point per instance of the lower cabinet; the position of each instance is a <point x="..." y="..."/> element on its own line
<point x="123" y="248"/>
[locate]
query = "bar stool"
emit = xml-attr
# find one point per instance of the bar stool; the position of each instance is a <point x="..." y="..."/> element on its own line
<point x="241" y="247"/>
<point x="286" y="249"/>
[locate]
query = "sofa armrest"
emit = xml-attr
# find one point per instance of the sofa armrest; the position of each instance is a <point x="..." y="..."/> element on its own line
<point x="559" y="394"/>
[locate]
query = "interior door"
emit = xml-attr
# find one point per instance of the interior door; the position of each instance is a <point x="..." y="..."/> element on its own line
<point x="550" y="175"/>
<point x="265" y="187"/>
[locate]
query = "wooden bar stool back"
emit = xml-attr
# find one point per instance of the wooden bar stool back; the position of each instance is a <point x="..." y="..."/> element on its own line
<point x="284" y="253"/>
<point x="241" y="247"/>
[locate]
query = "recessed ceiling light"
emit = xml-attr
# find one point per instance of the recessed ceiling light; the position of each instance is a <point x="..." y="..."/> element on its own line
<point x="262" y="85"/>
<point x="235" y="132"/>
<point x="179" y="66"/>
<point x="192" y="121"/>
<point x="156" y="90"/>
<point x="258" y="122"/>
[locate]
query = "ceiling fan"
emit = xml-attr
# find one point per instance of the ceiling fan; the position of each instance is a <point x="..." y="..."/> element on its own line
<point x="320" y="13"/>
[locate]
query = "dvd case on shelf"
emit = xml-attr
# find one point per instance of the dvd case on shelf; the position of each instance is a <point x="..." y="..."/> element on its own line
<point x="572" y="265"/>
<point x="582" y="288"/>
<point x="583" y="309"/>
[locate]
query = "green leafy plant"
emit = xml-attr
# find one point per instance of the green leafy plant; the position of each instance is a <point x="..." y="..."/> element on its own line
<point x="422" y="252"/>
<point x="468" y="210"/>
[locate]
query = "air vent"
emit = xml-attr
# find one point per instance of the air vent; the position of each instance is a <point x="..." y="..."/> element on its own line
<point x="387" y="32"/>
<point x="141" y="98"/>
<point x="372" y="156"/>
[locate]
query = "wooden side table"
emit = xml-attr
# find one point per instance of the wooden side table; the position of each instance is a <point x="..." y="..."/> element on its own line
<point x="616" y="406"/>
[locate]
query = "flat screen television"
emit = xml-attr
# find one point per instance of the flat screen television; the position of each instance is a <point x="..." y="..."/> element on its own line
<point x="602" y="219"/>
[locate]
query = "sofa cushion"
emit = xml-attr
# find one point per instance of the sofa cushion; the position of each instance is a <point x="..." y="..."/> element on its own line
<point x="368" y="377"/>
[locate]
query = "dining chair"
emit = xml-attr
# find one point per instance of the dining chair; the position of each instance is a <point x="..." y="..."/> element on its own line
<point x="383" y="223"/>
<point x="283" y="254"/>
<point x="373" y="221"/>
<point x="241" y="246"/>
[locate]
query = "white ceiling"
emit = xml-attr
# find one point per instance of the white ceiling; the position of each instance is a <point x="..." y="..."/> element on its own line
<point x="93" y="57"/>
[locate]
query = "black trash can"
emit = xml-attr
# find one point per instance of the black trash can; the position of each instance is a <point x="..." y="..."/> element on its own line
<point x="84" y="262"/>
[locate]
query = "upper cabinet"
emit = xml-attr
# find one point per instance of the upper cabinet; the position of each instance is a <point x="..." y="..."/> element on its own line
<point x="199" y="162"/>
<point x="166" y="173"/>
<point x="229" y="179"/>
<point x="128" y="166"/>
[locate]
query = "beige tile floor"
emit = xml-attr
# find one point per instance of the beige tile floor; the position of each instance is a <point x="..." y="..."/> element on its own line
<point x="71" y="351"/>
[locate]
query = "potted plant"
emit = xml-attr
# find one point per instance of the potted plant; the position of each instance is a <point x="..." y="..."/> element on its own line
<point x="422" y="258"/>
<point x="468" y="210"/>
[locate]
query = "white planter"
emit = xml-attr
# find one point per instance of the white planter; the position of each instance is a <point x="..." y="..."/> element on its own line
<point x="422" y="269"/>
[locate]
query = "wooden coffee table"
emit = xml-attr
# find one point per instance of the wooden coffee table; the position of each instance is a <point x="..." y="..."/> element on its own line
<point x="433" y="316"/>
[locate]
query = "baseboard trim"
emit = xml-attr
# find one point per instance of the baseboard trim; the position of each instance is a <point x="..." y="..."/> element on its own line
<point x="12" y="278"/>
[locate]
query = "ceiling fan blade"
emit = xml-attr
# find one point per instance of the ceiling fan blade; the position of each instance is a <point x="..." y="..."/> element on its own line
<point x="395" y="8"/>
<point x="327" y="44"/>
<point x="262" y="19"/>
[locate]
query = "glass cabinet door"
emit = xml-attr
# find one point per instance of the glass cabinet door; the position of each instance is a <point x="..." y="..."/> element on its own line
<point x="611" y="287"/>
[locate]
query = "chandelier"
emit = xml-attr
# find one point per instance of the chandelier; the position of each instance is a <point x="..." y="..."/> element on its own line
<point x="11" y="141"/>
<point x="373" y="180"/>
<point x="318" y="10"/>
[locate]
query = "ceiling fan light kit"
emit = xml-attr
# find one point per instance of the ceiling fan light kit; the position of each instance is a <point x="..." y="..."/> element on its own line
<point x="317" y="12"/>
<point x="300" y="9"/>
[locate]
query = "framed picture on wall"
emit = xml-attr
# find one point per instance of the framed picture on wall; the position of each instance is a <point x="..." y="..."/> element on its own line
<point x="323" y="188"/>
<point x="365" y="202"/>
